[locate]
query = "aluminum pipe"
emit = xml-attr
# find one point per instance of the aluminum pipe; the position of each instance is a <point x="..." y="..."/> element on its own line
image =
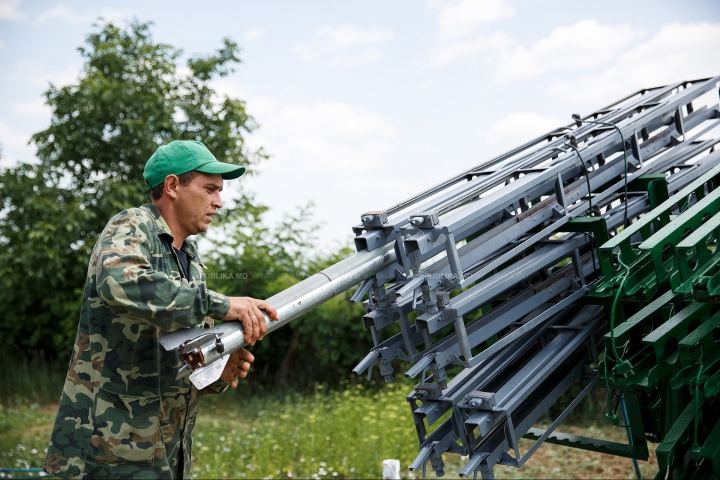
<point x="205" y="351"/>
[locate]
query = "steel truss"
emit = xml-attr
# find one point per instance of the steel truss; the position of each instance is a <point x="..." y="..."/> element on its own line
<point x="509" y="271"/>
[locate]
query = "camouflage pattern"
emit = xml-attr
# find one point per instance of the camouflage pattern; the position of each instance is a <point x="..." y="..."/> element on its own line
<point x="122" y="412"/>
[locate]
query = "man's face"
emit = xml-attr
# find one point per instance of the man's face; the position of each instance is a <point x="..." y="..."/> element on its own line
<point x="198" y="201"/>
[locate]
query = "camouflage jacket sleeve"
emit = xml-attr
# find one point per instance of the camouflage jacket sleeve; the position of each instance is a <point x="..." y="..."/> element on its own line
<point x="215" y="388"/>
<point x="131" y="287"/>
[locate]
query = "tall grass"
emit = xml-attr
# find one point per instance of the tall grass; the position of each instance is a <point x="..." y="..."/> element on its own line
<point x="328" y="434"/>
<point x="344" y="434"/>
<point x="30" y="378"/>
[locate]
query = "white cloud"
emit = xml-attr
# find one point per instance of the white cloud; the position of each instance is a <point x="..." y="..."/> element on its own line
<point x="363" y="57"/>
<point x="470" y="49"/>
<point x="516" y="128"/>
<point x="11" y="138"/>
<point x="254" y="33"/>
<point x="329" y="121"/>
<point x="34" y="108"/>
<point x="424" y="86"/>
<point x="14" y="146"/>
<point x="346" y="45"/>
<point x="349" y="35"/>
<point x="62" y="12"/>
<point x="340" y="157"/>
<point x="676" y="52"/>
<point x="582" y="45"/>
<point x="9" y="10"/>
<point x="33" y="73"/>
<point x="461" y="18"/>
<point x="458" y="22"/>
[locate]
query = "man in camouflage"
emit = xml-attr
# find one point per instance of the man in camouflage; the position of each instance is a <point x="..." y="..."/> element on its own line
<point x="122" y="412"/>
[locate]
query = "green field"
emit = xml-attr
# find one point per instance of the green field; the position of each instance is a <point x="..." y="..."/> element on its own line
<point x="330" y="434"/>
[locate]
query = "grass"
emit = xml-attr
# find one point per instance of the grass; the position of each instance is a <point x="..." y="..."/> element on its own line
<point x="330" y="434"/>
<point x="24" y="434"/>
<point x="28" y="378"/>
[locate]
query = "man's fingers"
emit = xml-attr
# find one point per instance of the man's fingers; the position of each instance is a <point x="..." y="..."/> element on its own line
<point x="249" y="311"/>
<point x="244" y="355"/>
<point x="268" y="308"/>
<point x="256" y="325"/>
<point x="262" y="325"/>
<point x="230" y="376"/>
<point x="252" y="330"/>
<point x="248" y="328"/>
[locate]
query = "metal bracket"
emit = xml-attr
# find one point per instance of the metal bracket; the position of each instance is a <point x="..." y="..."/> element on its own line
<point x="425" y="220"/>
<point x="376" y="218"/>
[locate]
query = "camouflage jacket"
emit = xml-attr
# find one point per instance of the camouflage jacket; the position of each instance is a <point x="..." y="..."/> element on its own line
<point x="122" y="412"/>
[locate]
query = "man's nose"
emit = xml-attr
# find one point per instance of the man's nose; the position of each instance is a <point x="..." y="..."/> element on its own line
<point x="217" y="200"/>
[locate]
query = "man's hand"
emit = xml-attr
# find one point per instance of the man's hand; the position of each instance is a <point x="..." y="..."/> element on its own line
<point x="237" y="366"/>
<point x="247" y="310"/>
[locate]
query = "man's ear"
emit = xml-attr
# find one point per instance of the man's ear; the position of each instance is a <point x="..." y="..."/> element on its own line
<point x="171" y="185"/>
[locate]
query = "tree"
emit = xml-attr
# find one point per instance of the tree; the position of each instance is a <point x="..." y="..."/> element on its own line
<point x="130" y="99"/>
<point x="321" y="346"/>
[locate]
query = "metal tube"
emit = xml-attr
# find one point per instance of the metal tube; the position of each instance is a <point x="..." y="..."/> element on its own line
<point x="290" y="304"/>
<point x="626" y="420"/>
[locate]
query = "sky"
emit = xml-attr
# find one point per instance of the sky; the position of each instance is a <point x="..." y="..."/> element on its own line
<point x="363" y="104"/>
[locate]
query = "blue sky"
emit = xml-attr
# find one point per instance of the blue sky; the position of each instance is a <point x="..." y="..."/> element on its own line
<point x="361" y="104"/>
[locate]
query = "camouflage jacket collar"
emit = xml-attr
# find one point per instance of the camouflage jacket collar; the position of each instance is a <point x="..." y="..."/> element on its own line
<point x="164" y="229"/>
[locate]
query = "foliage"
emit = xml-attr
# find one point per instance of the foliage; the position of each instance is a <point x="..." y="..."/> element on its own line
<point x="259" y="261"/>
<point x="129" y="99"/>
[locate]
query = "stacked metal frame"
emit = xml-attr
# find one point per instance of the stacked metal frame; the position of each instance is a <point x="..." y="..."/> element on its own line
<point x="502" y="286"/>
<point x="494" y="267"/>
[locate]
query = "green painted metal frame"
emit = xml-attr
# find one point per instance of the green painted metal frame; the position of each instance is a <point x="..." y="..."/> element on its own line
<point x="675" y="271"/>
<point x="637" y="451"/>
<point x="699" y="261"/>
<point x="650" y="266"/>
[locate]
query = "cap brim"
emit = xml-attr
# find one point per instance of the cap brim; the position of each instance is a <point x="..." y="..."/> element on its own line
<point x="226" y="170"/>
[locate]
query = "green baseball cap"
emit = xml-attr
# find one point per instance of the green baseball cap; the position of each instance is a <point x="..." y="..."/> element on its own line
<point x="182" y="156"/>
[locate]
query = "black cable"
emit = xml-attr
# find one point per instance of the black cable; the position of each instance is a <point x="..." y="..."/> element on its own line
<point x="574" y="145"/>
<point x="579" y="121"/>
<point x="619" y="397"/>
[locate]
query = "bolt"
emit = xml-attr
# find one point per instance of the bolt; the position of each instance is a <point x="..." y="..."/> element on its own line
<point x="476" y="402"/>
